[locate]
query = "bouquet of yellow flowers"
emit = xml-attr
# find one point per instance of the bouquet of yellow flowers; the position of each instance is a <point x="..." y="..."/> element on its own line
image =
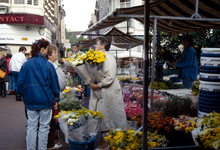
<point x="207" y="133"/>
<point x="90" y="71"/>
<point x="78" y="124"/>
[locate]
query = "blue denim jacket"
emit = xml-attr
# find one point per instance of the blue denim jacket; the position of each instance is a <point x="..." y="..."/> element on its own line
<point x="188" y="64"/>
<point x="38" y="83"/>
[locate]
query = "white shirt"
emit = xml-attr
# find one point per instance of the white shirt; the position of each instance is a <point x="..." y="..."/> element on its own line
<point x="17" y="60"/>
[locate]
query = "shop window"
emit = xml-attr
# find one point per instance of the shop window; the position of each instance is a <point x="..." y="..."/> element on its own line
<point x="125" y="3"/>
<point x="19" y="1"/>
<point x="3" y="1"/>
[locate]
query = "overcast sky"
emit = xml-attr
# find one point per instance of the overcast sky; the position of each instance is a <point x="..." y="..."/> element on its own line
<point x="78" y="13"/>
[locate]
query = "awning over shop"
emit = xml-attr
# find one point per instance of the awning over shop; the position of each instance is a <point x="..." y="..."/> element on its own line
<point x="173" y="16"/>
<point x="118" y="39"/>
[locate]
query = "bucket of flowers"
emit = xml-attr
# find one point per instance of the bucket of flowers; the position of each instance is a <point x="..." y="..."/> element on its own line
<point x="80" y="125"/>
<point x="183" y="126"/>
<point x="121" y="139"/>
<point x="207" y="133"/>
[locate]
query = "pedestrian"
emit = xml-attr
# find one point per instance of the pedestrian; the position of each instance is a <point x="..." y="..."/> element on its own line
<point x="3" y="67"/>
<point x="39" y="86"/>
<point x="26" y="55"/>
<point x="76" y="50"/>
<point x="69" y="54"/>
<point x="11" y="83"/>
<point x="17" y="60"/>
<point x="111" y="103"/>
<point x="188" y="70"/>
<point x="52" y="56"/>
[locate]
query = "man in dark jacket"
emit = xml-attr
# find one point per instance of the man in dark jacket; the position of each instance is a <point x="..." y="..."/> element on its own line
<point x="38" y="83"/>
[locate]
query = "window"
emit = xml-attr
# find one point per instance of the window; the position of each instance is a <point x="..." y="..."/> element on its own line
<point x="125" y="3"/>
<point x="29" y="2"/>
<point x="36" y="2"/>
<point x="19" y="1"/>
<point x="32" y="2"/>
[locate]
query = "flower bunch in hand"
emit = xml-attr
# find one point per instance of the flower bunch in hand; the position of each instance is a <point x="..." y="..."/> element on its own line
<point x="94" y="57"/>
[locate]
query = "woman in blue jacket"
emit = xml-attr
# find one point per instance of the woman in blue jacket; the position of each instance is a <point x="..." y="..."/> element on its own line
<point x="39" y="86"/>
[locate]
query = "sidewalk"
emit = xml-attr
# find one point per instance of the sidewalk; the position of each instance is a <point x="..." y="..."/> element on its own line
<point x="13" y="122"/>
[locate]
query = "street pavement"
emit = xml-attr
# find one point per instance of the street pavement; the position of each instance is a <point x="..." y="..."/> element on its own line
<point x="13" y="125"/>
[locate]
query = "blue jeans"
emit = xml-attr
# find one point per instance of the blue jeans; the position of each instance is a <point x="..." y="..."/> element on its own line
<point x="11" y="83"/>
<point x="15" y="75"/>
<point x="38" y="125"/>
<point x="187" y="82"/>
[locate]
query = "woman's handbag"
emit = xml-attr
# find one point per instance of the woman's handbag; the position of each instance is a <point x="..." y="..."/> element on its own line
<point x="2" y="74"/>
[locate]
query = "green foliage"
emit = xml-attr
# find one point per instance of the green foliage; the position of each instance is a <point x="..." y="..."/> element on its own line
<point x="175" y="106"/>
<point x="69" y="81"/>
<point x="69" y="102"/>
<point x="72" y="40"/>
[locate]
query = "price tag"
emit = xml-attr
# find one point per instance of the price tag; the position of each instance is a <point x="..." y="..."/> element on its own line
<point x="138" y="130"/>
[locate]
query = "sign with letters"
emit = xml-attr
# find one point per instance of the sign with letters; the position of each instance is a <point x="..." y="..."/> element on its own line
<point x="21" y="19"/>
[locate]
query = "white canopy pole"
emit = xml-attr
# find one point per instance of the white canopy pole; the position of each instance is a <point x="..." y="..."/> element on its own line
<point x="153" y="64"/>
<point x="130" y="57"/>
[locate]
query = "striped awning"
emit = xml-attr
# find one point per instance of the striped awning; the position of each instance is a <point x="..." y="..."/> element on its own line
<point x="118" y="39"/>
<point x="173" y="16"/>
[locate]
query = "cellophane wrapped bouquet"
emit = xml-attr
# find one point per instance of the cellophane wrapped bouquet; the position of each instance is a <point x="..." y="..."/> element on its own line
<point x="88" y="66"/>
<point x="207" y="133"/>
<point x="80" y="125"/>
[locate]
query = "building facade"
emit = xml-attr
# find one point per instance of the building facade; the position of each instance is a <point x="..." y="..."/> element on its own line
<point x="24" y="21"/>
<point x="104" y="7"/>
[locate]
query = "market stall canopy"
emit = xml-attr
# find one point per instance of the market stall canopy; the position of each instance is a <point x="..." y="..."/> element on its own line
<point x="173" y="16"/>
<point x="118" y="39"/>
<point x="127" y="55"/>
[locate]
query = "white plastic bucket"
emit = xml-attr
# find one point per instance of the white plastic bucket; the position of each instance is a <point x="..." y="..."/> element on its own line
<point x="209" y="86"/>
<point x="201" y="114"/>
<point x="210" y="61"/>
<point x="210" y="75"/>
<point x="211" y="50"/>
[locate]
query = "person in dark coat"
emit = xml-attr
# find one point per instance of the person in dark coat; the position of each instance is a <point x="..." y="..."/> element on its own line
<point x="3" y="67"/>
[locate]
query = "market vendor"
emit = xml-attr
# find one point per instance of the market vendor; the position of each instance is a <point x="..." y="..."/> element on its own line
<point x="111" y="103"/>
<point x="76" y="50"/>
<point x="188" y="65"/>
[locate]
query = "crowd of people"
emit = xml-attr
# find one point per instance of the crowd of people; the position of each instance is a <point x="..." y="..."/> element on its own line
<point x="36" y="80"/>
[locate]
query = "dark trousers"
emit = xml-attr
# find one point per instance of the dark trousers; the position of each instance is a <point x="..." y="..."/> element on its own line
<point x="15" y="75"/>
<point x="3" y="89"/>
<point x="52" y="133"/>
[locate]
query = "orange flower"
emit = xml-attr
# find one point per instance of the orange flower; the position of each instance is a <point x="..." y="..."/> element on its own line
<point x="114" y="148"/>
<point x="167" y="129"/>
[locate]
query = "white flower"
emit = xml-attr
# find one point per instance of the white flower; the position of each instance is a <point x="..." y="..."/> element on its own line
<point x="66" y="116"/>
<point x="177" y="128"/>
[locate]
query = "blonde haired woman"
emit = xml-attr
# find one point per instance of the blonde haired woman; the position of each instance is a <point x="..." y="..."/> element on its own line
<point x="3" y="67"/>
<point x="70" y="54"/>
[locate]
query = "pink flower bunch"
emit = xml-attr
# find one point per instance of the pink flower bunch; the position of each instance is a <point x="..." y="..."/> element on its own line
<point x="132" y="109"/>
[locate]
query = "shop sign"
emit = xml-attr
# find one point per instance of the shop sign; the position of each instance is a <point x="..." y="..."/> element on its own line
<point x="24" y="39"/>
<point x="63" y="36"/>
<point x="21" y="19"/>
<point x="10" y="39"/>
